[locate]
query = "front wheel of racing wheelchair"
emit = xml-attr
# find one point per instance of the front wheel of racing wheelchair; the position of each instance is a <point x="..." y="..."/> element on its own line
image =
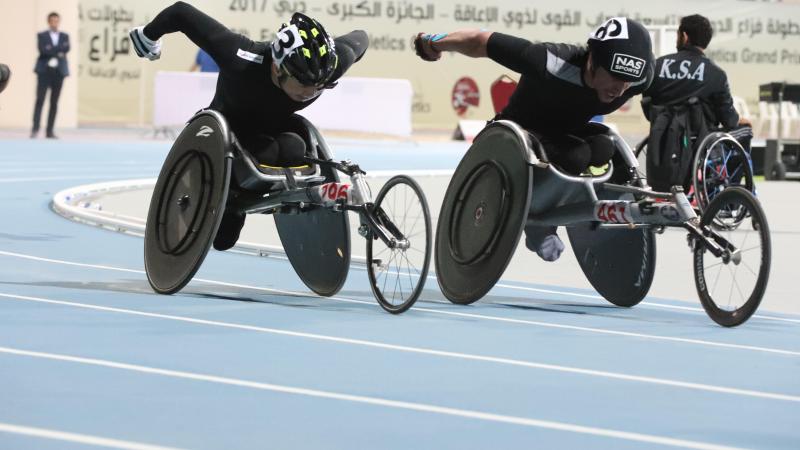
<point x="207" y="173"/>
<point x="731" y="286"/>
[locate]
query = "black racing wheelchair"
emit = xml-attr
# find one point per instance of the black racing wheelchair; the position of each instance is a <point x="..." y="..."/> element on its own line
<point x="505" y="182"/>
<point x="208" y="172"/>
<point x="719" y="162"/>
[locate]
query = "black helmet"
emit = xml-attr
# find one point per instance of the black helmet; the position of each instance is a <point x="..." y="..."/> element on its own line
<point x="622" y="47"/>
<point x="305" y="51"/>
<point x="5" y="75"/>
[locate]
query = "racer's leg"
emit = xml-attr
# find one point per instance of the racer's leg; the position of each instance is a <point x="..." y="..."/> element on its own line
<point x="229" y="229"/>
<point x="570" y="153"/>
<point x="281" y="150"/>
<point x="544" y="241"/>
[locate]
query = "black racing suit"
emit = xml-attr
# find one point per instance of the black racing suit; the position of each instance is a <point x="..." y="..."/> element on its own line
<point x="256" y="109"/>
<point x="552" y="102"/>
<point x="687" y="74"/>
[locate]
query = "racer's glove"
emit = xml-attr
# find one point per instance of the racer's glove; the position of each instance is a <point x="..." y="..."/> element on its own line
<point x="144" y="46"/>
<point x="423" y="45"/>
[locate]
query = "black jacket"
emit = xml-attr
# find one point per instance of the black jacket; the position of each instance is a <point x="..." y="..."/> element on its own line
<point x="48" y="51"/>
<point x="689" y="73"/>
<point x="551" y="97"/>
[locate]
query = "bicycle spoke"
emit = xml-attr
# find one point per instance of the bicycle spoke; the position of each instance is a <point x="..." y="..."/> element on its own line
<point x="714" y="289"/>
<point x="714" y="265"/>
<point x="741" y="294"/>
<point x="747" y="266"/>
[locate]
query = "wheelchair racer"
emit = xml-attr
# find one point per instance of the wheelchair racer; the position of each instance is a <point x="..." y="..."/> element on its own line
<point x="689" y="74"/>
<point x="260" y="84"/>
<point x="561" y="88"/>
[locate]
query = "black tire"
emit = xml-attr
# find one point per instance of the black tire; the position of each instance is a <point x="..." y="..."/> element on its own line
<point x="187" y="203"/>
<point x="754" y="259"/>
<point x="483" y="213"/>
<point x="412" y="262"/>
<point x="723" y="165"/>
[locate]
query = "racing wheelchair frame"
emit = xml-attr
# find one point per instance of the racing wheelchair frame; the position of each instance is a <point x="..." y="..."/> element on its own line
<point x="505" y="182"/>
<point x="207" y="172"/>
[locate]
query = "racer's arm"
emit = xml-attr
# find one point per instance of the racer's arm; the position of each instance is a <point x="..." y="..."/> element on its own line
<point x="350" y="48"/>
<point x="208" y="34"/>
<point x="517" y="54"/>
<point x="722" y="102"/>
<point x="471" y="43"/>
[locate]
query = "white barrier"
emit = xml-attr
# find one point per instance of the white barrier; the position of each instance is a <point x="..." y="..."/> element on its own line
<point x="370" y="105"/>
<point x="178" y="95"/>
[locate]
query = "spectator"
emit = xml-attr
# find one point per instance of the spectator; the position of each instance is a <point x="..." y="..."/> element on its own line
<point x="51" y="68"/>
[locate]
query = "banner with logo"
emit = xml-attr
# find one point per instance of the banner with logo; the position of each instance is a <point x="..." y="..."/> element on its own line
<point x="755" y="42"/>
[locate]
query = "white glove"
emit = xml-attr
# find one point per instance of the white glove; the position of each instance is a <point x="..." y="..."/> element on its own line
<point x="143" y="46"/>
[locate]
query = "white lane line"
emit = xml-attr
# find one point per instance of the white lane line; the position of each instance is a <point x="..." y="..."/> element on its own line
<point x="440" y="312"/>
<point x="645" y="303"/>
<point x="425" y="351"/>
<point x="77" y="438"/>
<point x="376" y="401"/>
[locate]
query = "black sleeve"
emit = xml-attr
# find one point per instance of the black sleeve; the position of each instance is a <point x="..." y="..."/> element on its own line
<point x="350" y="48"/>
<point x="517" y="54"/>
<point x="63" y="43"/>
<point x="723" y="105"/>
<point x="213" y="37"/>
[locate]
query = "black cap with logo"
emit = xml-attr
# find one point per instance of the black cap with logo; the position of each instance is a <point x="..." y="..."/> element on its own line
<point x="622" y="47"/>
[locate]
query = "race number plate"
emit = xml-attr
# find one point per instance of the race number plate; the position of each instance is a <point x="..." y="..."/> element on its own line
<point x="612" y="212"/>
<point x="331" y="193"/>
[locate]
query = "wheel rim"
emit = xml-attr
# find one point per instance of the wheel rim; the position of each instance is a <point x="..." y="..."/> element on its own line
<point x="723" y="166"/>
<point x="731" y="287"/>
<point x="398" y="275"/>
<point x="478" y="213"/>
<point x="184" y="203"/>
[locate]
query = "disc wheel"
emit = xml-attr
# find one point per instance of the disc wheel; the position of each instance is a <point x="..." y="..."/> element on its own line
<point x="397" y="275"/>
<point x="724" y="165"/>
<point x="731" y="287"/>
<point x="187" y="203"/>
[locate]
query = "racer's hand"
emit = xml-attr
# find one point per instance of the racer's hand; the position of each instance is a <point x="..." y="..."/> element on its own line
<point x="423" y="45"/>
<point x="144" y="46"/>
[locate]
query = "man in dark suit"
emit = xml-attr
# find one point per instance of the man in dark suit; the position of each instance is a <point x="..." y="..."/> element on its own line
<point x="51" y="68"/>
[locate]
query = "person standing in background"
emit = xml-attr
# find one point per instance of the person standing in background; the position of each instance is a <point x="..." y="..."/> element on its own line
<point x="51" y="68"/>
<point x="204" y="62"/>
